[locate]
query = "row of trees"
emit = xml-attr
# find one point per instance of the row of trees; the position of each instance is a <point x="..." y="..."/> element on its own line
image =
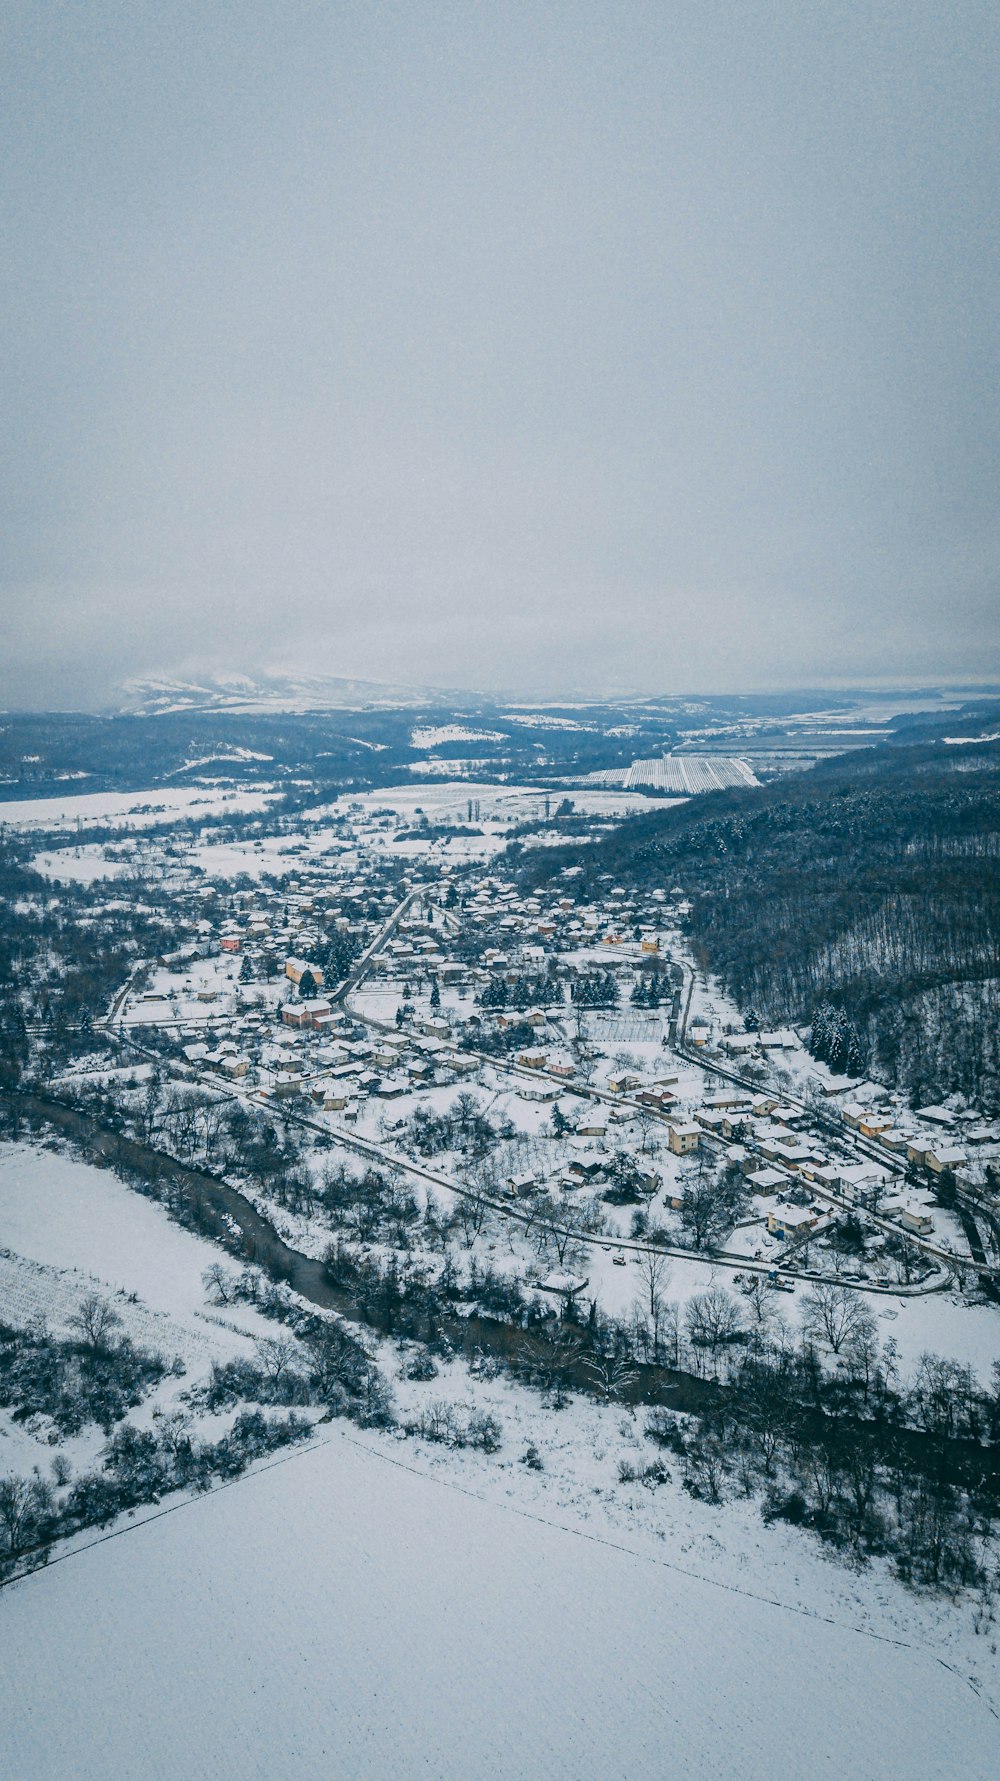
<point x="595" y="989"/>
<point x="528" y="990"/>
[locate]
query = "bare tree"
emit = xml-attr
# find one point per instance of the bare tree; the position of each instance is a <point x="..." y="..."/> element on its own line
<point x="862" y="1351"/>
<point x="654" y="1270"/>
<point x="182" y="1114"/>
<point x="97" y="1321"/>
<point x="469" y="1216"/>
<point x="338" y="1362"/>
<point x="613" y="1375"/>
<point x="670" y="1334"/>
<point x="62" y="1469"/>
<point x="275" y="1355"/>
<point x="836" y="1315"/>
<point x="761" y="1301"/>
<point x="647" y="1121"/>
<point x="148" y="1111"/>
<point x="558" y="1228"/>
<point x="17" y="1512"/>
<point x="654" y="1275"/>
<point x="699" y="1212"/>
<point x="217" y="1284"/>
<point x="214" y="1114"/>
<point x="713" y="1320"/>
<point x="174" y="1432"/>
<point x="566" y="1348"/>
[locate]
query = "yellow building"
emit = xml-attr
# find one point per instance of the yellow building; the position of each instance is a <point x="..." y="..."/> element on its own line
<point x="683" y="1138"/>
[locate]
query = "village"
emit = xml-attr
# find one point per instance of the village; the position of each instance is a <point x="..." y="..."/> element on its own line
<point x="368" y="975"/>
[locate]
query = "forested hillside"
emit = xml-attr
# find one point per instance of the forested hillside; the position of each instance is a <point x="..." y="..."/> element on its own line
<point x="869" y="886"/>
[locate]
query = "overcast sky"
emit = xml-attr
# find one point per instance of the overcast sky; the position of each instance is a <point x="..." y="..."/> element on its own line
<point x="549" y="346"/>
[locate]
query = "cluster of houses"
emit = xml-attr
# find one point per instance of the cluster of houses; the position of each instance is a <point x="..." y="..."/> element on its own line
<point x="463" y="936"/>
<point x="288" y="924"/>
<point x="935" y="1138"/>
<point x="523" y="934"/>
<point x="784" y="1163"/>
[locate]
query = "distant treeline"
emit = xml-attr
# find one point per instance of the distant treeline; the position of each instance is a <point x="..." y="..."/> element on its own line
<point x="869" y="885"/>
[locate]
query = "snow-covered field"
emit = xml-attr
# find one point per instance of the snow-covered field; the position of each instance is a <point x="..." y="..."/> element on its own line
<point x="90" y="1232"/>
<point x="449" y="801"/>
<point x="134" y="810"/>
<point x="543" y="720"/>
<point x="436" y="735"/>
<point x="275" y="853"/>
<point x="77" y="865"/>
<point x="686" y="774"/>
<point x="341" y="1613"/>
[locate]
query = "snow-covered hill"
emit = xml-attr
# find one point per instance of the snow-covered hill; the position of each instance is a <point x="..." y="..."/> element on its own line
<point x="157" y="695"/>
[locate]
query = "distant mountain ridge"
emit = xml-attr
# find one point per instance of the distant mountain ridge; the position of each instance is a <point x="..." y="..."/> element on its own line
<point x="156" y="695"/>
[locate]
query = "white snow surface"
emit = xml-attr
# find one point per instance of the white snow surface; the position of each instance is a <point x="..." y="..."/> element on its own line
<point x="78" y="865"/>
<point x="341" y="1613"/>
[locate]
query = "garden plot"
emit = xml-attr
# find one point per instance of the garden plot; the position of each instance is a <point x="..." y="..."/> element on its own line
<point x="179" y="993"/>
<point x="29" y="1292"/>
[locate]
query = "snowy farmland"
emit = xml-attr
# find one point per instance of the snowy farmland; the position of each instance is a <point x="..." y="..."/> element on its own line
<point x="342" y="1613"/>
<point x="506" y="804"/>
<point x="132" y="810"/>
<point x="684" y="774"/>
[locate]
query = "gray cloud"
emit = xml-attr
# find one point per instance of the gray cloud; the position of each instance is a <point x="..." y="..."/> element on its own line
<point x="577" y="345"/>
